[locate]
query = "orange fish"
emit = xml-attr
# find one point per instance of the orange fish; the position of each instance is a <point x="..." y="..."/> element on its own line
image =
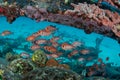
<point x="25" y="55"/>
<point x="50" y="28"/>
<point x="40" y="41"/>
<point x="30" y="38"/>
<point x="6" y="32"/>
<point x="77" y="44"/>
<point x="85" y="51"/>
<point x="54" y="39"/>
<point x="50" y="49"/>
<point x="73" y="53"/>
<point x="55" y="44"/>
<point x="66" y="46"/>
<point x="35" y="34"/>
<point x="35" y="47"/>
<point x="52" y="55"/>
<point x="39" y="32"/>
<point x="44" y="33"/>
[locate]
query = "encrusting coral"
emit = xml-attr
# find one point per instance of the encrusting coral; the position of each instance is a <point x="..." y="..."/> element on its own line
<point x="85" y="16"/>
<point x="52" y="62"/>
<point x="1" y="73"/>
<point x="21" y="66"/>
<point x="10" y="56"/>
<point x="50" y="73"/>
<point x="39" y="57"/>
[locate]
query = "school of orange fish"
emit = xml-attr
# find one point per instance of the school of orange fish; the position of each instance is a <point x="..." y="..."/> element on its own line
<point x="52" y="46"/>
<point x="55" y="48"/>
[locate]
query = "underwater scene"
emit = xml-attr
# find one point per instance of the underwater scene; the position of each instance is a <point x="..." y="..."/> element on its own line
<point x="59" y="39"/>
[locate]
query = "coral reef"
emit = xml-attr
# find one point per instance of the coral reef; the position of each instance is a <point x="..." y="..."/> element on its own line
<point x="25" y="69"/>
<point x="64" y="66"/>
<point x="35" y="13"/>
<point x="85" y="16"/>
<point x="95" y="78"/>
<point x="39" y="58"/>
<point x="1" y="72"/>
<point x="53" y="5"/>
<point x="50" y="5"/>
<point x="6" y="49"/>
<point x="21" y="3"/>
<point x="11" y="12"/>
<point x="52" y="62"/>
<point x="7" y="74"/>
<point x="21" y="66"/>
<point x="115" y="3"/>
<point x="95" y="19"/>
<point x="105" y="70"/>
<point x="11" y="56"/>
<point x="3" y="61"/>
<point x="49" y="73"/>
<point x="89" y="17"/>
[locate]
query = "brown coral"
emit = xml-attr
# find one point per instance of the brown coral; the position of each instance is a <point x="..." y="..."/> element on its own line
<point x="52" y="62"/>
<point x="10" y="56"/>
<point x="21" y="66"/>
<point x="39" y="58"/>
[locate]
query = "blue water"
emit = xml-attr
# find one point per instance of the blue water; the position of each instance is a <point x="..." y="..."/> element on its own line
<point x="24" y="27"/>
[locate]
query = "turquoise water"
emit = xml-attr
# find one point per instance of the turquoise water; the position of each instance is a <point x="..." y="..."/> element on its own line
<point x="23" y="27"/>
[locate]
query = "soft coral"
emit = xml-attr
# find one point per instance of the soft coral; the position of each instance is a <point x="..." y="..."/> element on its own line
<point x="1" y="10"/>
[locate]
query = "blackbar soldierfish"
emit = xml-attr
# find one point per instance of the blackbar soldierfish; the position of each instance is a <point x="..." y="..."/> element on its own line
<point x="66" y="46"/>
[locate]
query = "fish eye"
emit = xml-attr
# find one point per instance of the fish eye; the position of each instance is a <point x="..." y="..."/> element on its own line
<point x="36" y="41"/>
<point x="63" y="46"/>
<point x="39" y="31"/>
<point x="31" y="47"/>
<point x="49" y="49"/>
<point x="47" y="28"/>
<point x="45" y="47"/>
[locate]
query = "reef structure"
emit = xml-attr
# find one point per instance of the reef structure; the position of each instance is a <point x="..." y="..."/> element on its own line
<point x="95" y="19"/>
<point x="11" y="12"/>
<point x="49" y="73"/>
<point x="115" y="3"/>
<point x="85" y="16"/>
